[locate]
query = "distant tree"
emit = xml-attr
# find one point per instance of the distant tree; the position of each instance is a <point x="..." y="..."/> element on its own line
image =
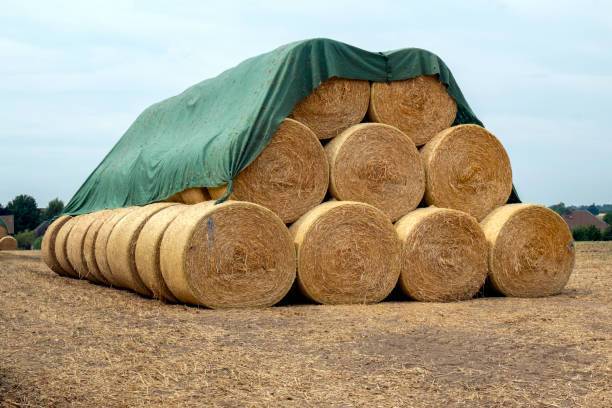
<point x="54" y="208"/>
<point x="4" y="211"/>
<point x="608" y="217"/>
<point x="590" y="233"/>
<point x="26" y="213"/>
<point x="560" y="208"/>
<point x="593" y="209"/>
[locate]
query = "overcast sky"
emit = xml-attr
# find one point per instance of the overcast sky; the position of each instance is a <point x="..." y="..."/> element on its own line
<point x="75" y="74"/>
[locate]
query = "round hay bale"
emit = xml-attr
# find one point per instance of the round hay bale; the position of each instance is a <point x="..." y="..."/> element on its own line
<point x="48" y="244"/>
<point x="347" y="252"/>
<point x="8" y="243"/>
<point x="61" y="248"/>
<point x="147" y="252"/>
<point x="444" y="255"/>
<point x="89" y="247"/>
<point x="231" y="255"/>
<point x="76" y="244"/>
<point x="531" y="250"/>
<point x="467" y="169"/>
<point x="379" y="165"/>
<point x="334" y="106"/>
<point x="289" y="177"/>
<point x="420" y="107"/>
<point x="194" y="195"/>
<point x="121" y="246"/>
<point x="102" y="239"/>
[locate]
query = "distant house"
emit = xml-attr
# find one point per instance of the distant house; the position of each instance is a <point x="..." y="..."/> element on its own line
<point x="9" y="221"/>
<point x="583" y="218"/>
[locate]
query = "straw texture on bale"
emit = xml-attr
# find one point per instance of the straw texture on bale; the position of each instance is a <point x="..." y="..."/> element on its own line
<point x="467" y="169"/>
<point x="531" y="250"/>
<point x="121" y="247"/>
<point x="8" y="243"/>
<point x="75" y="244"/>
<point x="89" y="247"/>
<point x="48" y="244"/>
<point x="231" y="255"/>
<point x="147" y="252"/>
<point x="334" y="106"/>
<point x="347" y="252"/>
<point x="61" y="248"/>
<point x="289" y="177"/>
<point x="444" y="255"/>
<point x="379" y="165"/>
<point x="419" y="107"/>
<point x="102" y="240"/>
<point x="190" y="196"/>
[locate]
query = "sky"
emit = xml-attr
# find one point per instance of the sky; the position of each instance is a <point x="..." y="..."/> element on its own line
<point x="75" y="74"/>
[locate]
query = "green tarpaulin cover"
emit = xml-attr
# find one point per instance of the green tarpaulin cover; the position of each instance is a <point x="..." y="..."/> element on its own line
<point x="206" y="135"/>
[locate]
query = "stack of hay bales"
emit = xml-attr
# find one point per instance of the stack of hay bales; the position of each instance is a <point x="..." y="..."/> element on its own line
<point x="363" y="188"/>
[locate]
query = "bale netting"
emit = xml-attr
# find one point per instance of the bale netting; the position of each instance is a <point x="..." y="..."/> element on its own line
<point x="289" y="177"/>
<point x="347" y="252"/>
<point x="89" y="247"/>
<point x="147" y="252"/>
<point x="75" y="244"/>
<point x="121" y="247"/>
<point x="61" y="248"/>
<point x="444" y="255"/>
<point x="335" y="105"/>
<point x="379" y="165"/>
<point x="102" y="240"/>
<point x="8" y="243"/>
<point x="467" y="169"/>
<point x="48" y="244"/>
<point x="420" y="107"/>
<point x="531" y="250"/>
<point x="231" y="255"/>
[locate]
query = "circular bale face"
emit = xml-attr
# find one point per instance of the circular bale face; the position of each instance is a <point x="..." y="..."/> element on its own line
<point x="75" y="245"/>
<point x="147" y="252"/>
<point x="334" y="106"/>
<point x="531" y="250"/>
<point x="444" y="255"/>
<point x="61" y="248"/>
<point x="102" y="240"/>
<point x="348" y="252"/>
<point x="8" y="243"/>
<point x="289" y="177"/>
<point x="48" y="244"/>
<point x="121" y="246"/>
<point x="379" y="165"/>
<point x="89" y="247"/>
<point x="230" y="255"/>
<point x="420" y="107"/>
<point x="467" y="169"/>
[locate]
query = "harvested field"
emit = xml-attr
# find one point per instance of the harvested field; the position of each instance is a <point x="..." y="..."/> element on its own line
<point x="68" y="342"/>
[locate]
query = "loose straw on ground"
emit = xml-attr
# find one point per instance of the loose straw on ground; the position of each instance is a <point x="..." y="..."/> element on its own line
<point x="348" y="252"/>
<point x="289" y="177"/>
<point x="61" y="246"/>
<point x="8" y="243"/>
<point x="379" y="165"/>
<point x="420" y="107"/>
<point x="121" y="246"/>
<point x="231" y="255"/>
<point x="147" y="252"/>
<point x="48" y="244"/>
<point x="467" y="169"/>
<point x="102" y="240"/>
<point x="444" y="255"/>
<point x="531" y="250"/>
<point x="334" y="106"/>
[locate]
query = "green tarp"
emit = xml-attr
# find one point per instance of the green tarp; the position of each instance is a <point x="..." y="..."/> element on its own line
<point x="206" y="135"/>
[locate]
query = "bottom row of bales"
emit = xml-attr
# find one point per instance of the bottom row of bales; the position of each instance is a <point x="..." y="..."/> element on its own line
<point x="240" y="254"/>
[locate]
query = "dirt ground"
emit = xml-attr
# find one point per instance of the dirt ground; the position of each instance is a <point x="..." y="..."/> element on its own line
<point x="66" y="342"/>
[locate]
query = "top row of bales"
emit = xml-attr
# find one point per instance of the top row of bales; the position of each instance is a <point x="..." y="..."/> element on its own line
<point x="408" y="154"/>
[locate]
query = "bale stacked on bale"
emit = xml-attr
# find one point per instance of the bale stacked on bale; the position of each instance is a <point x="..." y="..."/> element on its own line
<point x="8" y="243"/>
<point x="234" y="254"/>
<point x="48" y="244"/>
<point x="193" y="195"/>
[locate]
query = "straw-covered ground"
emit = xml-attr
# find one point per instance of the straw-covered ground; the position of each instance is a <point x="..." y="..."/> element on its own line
<point x="67" y="342"/>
